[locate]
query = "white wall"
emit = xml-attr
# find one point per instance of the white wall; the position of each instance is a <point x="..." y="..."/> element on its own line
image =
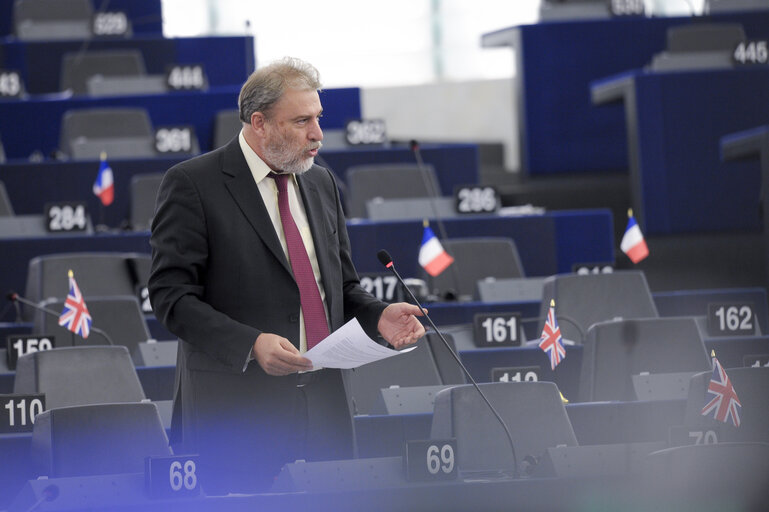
<point x="473" y="111"/>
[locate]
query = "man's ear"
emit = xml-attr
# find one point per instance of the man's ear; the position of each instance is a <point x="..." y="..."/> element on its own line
<point x="257" y="122"/>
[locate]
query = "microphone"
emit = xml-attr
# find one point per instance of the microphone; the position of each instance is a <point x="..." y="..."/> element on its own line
<point x="16" y="298"/>
<point x="450" y="294"/>
<point x="386" y="260"/>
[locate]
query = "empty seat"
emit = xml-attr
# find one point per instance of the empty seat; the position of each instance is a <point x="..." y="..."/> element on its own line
<point x="2" y="153"/>
<point x="97" y="274"/>
<point x="699" y="46"/>
<point x="52" y="19"/>
<point x="226" y="126"/>
<point x="79" y="376"/>
<point x="512" y="289"/>
<point x="532" y="411"/>
<point x="750" y="385"/>
<point x="582" y="300"/>
<point x="120" y="318"/>
<point x="715" y="6"/>
<point x="615" y="351"/>
<point x="144" y="191"/>
<point x="97" y="439"/>
<point x="120" y="132"/>
<point x="415" y="208"/>
<point x="6" y="207"/>
<point x="704" y="37"/>
<point x="391" y="181"/>
<point x="78" y="68"/>
<point x="415" y="368"/>
<point x="34" y="226"/>
<point x="474" y="259"/>
<point x="706" y="474"/>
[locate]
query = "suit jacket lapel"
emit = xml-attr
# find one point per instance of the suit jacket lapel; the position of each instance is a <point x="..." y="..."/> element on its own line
<point x="240" y="183"/>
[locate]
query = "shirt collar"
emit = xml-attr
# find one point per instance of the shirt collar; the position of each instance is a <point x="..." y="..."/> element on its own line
<point x="259" y="169"/>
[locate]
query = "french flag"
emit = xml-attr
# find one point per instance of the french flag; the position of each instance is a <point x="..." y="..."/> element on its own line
<point x="633" y="243"/>
<point x="104" y="186"/>
<point x="432" y="256"/>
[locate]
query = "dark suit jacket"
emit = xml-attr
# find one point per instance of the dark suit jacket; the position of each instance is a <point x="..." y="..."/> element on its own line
<point x="220" y="278"/>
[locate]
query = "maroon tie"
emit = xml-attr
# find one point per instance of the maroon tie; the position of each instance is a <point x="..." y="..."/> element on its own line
<point x="315" y="324"/>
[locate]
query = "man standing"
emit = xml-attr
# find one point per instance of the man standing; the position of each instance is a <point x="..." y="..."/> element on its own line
<point x="251" y="266"/>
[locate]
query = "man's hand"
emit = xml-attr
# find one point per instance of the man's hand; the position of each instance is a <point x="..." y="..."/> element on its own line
<point x="399" y="325"/>
<point x="277" y="356"/>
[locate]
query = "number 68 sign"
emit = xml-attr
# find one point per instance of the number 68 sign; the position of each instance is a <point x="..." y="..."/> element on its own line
<point x="168" y="477"/>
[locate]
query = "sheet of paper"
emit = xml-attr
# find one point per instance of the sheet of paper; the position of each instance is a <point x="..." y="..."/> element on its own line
<point x="349" y="347"/>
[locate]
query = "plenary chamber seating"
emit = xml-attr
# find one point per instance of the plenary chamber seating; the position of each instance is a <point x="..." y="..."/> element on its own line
<point x="119" y="318"/>
<point x="144" y="191"/>
<point x="582" y="300"/>
<point x="96" y="273"/>
<point x="108" y="72"/>
<point x="698" y="46"/>
<point x="70" y="376"/>
<point x="39" y="20"/>
<point x="617" y="351"/>
<point x="532" y="411"/>
<point x="120" y="132"/>
<point x="475" y="259"/>
<point x="97" y="439"/>
<point x="750" y="385"/>
<point x="406" y="383"/>
<point x="6" y="207"/>
<point x="388" y="181"/>
<point x="92" y="457"/>
<point x="227" y="125"/>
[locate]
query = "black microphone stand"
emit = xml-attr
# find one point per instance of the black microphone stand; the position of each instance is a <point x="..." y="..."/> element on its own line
<point x="387" y="261"/>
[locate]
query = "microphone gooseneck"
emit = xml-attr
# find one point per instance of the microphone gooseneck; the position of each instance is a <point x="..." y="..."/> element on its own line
<point x="386" y="260"/>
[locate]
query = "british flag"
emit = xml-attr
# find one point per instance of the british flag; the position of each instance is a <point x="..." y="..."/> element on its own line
<point x="724" y="403"/>
<point x="75" y="316"/>
<point x="551" y="341"/>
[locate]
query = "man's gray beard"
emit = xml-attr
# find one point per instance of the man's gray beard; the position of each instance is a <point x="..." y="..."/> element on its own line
<point x="275" y="154"/>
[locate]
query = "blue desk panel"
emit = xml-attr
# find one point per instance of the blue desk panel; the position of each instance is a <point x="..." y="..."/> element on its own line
<point x="227" y="60"/>
<point x="31" y="185"/>
<point x="557" y="60"/>
<point x="695" y="302"/>
<point x="678" y="182"/>
<point x="481" y="362"/>
<point x="146" y="15"/>
<point x="548" y="244"/>
<point x="33" y="124"/>
<point x="593" y="423"/>
<point x="544" y="253"/>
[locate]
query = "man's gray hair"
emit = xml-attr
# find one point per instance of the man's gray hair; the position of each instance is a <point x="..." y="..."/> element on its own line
<point x="266" y="85"/>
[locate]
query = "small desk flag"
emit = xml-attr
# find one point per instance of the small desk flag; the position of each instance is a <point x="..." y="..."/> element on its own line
<point x="551" y="341"/>
<point x="75" y="316"/>
<point x="432" y="256"/>
<point x="723" y="402"/>
<point x="633" y="243"/>
<point x="104" y="186"/>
